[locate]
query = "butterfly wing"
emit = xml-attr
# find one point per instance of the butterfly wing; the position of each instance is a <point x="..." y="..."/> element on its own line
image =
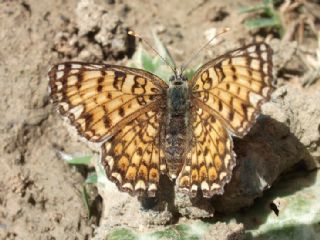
<point x="134" y="157"/>
<point x="227" y="94"/>
<point x="234" y="86"/>
<point x="116" y="106"/>
<point x="100" y="99"/>
<point x="210" y="160"/>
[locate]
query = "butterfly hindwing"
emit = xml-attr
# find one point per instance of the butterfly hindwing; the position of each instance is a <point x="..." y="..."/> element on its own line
<point x="210" y="161"/>
<point x="134" y="157"/>
<point x="100" y="99"/>
<point x="234" y="86"/>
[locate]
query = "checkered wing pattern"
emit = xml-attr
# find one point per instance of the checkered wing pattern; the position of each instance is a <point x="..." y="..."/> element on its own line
<point x="227" y="94"/>
<point x="115" y="106"/>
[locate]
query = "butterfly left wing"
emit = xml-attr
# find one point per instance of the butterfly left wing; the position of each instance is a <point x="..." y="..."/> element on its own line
<point x="227" y="94"/>
<point x="121" y="108"/>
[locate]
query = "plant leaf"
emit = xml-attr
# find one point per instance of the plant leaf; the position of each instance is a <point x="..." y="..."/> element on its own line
<point x="92" y="178"/>
<point x="80" y="160"/>
<point x="261" y="23"/>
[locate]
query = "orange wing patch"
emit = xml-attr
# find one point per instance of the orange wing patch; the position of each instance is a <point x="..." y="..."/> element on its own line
<point x="134" y="157"/>
<point x="101" y="99"/>
<point x="210" y="161"/>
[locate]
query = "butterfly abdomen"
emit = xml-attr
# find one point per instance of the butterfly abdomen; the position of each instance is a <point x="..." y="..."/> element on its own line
<point x="177" y="125"/>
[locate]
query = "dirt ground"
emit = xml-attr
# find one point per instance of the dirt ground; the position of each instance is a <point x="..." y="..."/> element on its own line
<point x="40" y="195"/>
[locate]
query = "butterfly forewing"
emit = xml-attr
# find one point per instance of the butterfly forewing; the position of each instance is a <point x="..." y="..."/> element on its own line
<point x="101" y="99"/>
<point x="234" y="86"/>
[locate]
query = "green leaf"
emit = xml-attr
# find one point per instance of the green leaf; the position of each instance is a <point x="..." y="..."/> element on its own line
<point x="261" y="23"/>
<point x="255" y="8"/>
<point x="143" y="60"/>
<point x="121" y="234"/>
<point x="92" y="178"/>
<point x="85" y="198"/>
<point x="297" y="200"/>
<point x="80" y="160"/>
<point x="189" y="73"/>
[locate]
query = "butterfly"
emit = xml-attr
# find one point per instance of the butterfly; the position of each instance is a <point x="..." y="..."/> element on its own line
<point x="146" y="127"/>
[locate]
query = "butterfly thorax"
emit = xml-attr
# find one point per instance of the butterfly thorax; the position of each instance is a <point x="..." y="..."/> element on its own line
<point x="177" y="125"/>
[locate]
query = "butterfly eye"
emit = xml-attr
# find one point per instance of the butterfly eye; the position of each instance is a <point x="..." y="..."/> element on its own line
<point x="184" y="78"/>
<point x="171" y="78"/>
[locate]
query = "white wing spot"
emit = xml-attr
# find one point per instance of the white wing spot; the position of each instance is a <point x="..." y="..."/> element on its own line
<point x="77" y="110"/>
<point x="173" y="176"/>
<point x="187" y="168"/>
<point x="110" y="161"/>
<point x="64" y="105"/>
<point x="222" y="175"/>
<point x="96" y="66"/>
<point x="127" y="186"/>
<point x="263" y="47"/>
<point x="61" y="67"/>
<point x="59" y="74"/>
<point x="264" y="56"/>
<point x="265" y="91"/>
<point x="252" y="49"/>
<point x="117" y="176"/>
<point x="140" y="185"/>
<point x="108" y="146"/>
<point x="194" y="188"/>
<point x="152" y="187"/>
<point x="227" y="159"/>
<point x="59" y="85"/>
<point x="205" y="186"/>
<point x="214" y="186"/>
<point x="254" y="98"/>
<point x="163" y="167"/>
<point x="76" y="66"/>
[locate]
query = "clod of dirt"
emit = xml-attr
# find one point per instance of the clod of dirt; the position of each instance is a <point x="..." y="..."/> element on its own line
<point x="120" y="209"/>
<point x="223" y="231"/>
<point x="287" y="134"/>
<point x="218" y="14"/>
<point x="103" y="28"/>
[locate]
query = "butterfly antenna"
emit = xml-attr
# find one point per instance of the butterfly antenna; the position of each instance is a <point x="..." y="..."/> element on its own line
<point x="173" y="68"/>
<point x="194" y="55"/>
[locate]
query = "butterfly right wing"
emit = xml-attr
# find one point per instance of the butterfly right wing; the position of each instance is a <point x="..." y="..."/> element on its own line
<point x="227" y="94"/>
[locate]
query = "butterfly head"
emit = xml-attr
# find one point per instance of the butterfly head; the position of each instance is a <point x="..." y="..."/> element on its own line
<point x="178" y="79"/>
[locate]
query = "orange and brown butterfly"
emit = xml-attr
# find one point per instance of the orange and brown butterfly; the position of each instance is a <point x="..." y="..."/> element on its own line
<point x="147" y="127"/>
